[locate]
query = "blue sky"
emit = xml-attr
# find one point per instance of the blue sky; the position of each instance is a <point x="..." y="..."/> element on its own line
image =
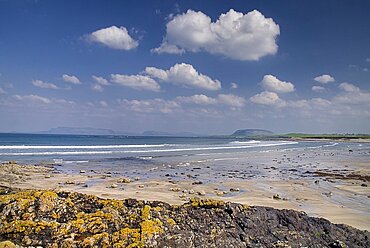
<point x="201" y="66"/>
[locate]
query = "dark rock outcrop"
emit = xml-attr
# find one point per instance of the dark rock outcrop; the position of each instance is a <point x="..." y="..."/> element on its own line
<point x="61" y="219"/>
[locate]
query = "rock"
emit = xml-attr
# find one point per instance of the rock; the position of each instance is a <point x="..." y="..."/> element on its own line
<point x="219" y="193"/>
<point x="113" y="186"/>
<point x="201" y="192"/>
<point x="47" y="176"/>
<point x="177" y="189"/>
<point x="276" y="197"/>
<point x="191" y="191"/>
<point x="137" y="178"/>
<point x="141" y="186"/>
<point x="7" y="244"/>
<point x="234" y="189"/>
<point x="363" y="185"/>
<point x="69" y="182"/>
<point x="78" y="220"/>
<point x="82" y="171"/>
<point x="124" y="180"/>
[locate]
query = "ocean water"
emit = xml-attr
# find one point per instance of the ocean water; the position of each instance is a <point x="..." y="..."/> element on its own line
<point x="207" y="158"/>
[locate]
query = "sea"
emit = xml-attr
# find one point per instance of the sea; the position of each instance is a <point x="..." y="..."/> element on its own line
<point x="135" y="154"/>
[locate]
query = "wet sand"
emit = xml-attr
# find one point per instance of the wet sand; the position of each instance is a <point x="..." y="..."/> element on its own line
<point x="321" y="183"/>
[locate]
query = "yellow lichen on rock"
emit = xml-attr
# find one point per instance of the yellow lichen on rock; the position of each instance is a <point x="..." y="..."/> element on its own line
<point x="7" y="244"/>
<point x="205" y="203"/>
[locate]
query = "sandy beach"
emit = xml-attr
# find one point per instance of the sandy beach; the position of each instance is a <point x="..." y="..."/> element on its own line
<point x="335" y="187"/>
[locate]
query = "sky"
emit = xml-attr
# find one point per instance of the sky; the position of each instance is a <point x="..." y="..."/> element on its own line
<point x="207" y="67"/>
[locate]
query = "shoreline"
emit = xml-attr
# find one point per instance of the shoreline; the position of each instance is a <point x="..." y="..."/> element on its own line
<point x="343" y="200"/>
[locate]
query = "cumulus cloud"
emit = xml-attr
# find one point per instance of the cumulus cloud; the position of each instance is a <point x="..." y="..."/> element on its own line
<point x="197" y="99"/>
<point x="33" y="98"/>
<point x="71" y="79"/>
<point x="317" y="88"/>
<point x="324" y="79"/>
<point x="44" y="85"/>
<point x="114" y="37"/>
<point x="235" y="35"/>
<point x="266" y="98"/>
<point x="349" y="87"/>
<point x="137" y="82"/>
<point x="99" y="83"/>
<point x="231" y="100"/>
<point x="157" y="105"/>
<point x="100" y="80"/>
<point x="234" y="86"/>
<point x="185" y="75"/>
<point x="271" y="83"/>
<point x="97" y="87"/>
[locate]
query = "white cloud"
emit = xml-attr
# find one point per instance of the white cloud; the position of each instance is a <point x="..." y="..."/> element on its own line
<point x="349" y="87"/>
<point x="235" y="35"/>
<point x="100" y="80"/>
<point x="324" y="79"/>
<point x="234" y="85"/>
<point x="71" y="79"/>
<point x="99" y="83"/>
<point x="185" y="75"/>
<point x="114" y="37"/>
<point x="2" y="91"/>
<point x="103" y="103"/>
<point x="231" y="100"/>
<point x="266" y="98"/>
<point x="197" y="99"/>
<point x="97" y="87"/>
<point x="318" y="88"/>
<point x="167" y="48"/>
<point x="157" y="105"/>
<point x="368" y="60"/>
<point x="137" y="82"/>
<point x="33" y="98"/>
<point x="44" y="85"/>
<point x="271" y="83"/>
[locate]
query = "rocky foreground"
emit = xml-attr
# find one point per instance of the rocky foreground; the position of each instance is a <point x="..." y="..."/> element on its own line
<point x="61" y="219"/>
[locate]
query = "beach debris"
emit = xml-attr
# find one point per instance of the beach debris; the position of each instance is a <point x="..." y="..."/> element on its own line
<point x="69" y="182"/>
<point x="177" y="189"/>
<point x="124" y="180"/>
<point x="234" y="189"/>
<point x="82" y="171"/>
<point x="276" y="197"/>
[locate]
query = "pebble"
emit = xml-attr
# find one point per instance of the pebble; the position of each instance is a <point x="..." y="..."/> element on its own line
<point x="82" y="171"/>
<point x="201" y="192"/>
<point x="191" y="191"/>
<point x="175" y="189"/>
<point x="234" y="189"/>
<point x="69" y="182"/>
<point x="47" y="176"/>
<point x="141" y="186"/>
<point x="124" y="180"/>
<point x="113" y="186"/>
<point x="276" y="197"/>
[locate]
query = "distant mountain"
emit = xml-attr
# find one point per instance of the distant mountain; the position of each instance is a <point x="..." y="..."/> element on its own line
<point x="79" y="130"/>
<point x="159" y="133"/>
<point x="252" y="133"/>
